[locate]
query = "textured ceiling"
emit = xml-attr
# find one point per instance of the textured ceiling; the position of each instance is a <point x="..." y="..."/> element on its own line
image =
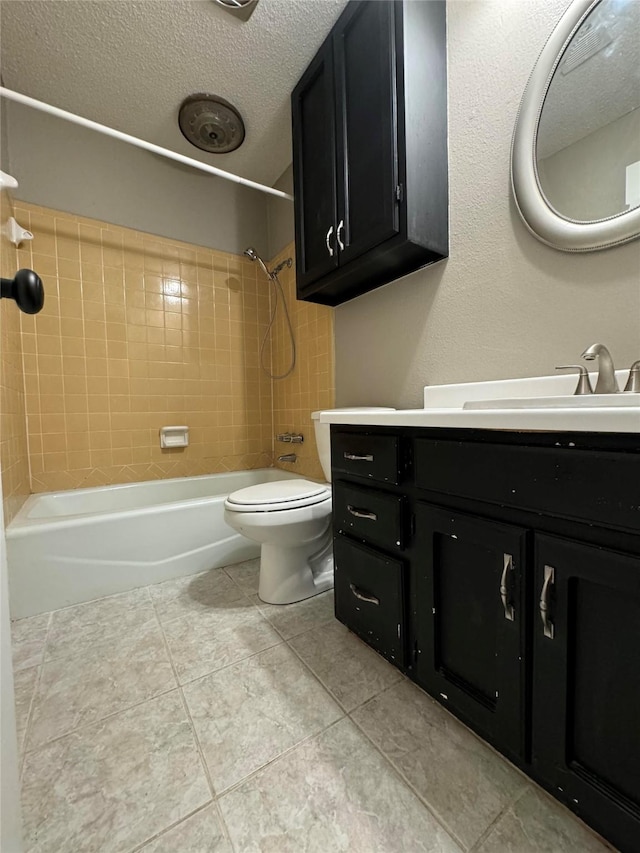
<point x="129" y="64"/>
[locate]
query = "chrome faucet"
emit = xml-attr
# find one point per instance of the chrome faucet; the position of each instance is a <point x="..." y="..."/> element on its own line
<point x="633" y="382"/>
<point x="607" y="383"/>
<point x="287" y="457"/>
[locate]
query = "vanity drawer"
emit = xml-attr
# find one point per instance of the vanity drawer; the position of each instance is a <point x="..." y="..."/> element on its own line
<point x="369" y="514"/>
<point x="369" y="591"/>
<point x="587" y="485"/>
<point x="376" y="457"/>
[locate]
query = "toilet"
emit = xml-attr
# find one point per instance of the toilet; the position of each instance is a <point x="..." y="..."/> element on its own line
<point x="291" y="519"/>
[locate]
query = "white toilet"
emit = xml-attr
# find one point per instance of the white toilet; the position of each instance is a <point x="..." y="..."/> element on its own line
<point x="291" y="519"/>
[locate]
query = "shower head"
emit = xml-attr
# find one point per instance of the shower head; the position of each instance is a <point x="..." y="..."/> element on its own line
<point x="254" y="256"/>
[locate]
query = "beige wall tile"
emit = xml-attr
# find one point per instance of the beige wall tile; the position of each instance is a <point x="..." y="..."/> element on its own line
<point x="125" y="344"/>
<point x="311" y="385"/>
<point x="138" y="332"/>
<point x="14" y="459"/>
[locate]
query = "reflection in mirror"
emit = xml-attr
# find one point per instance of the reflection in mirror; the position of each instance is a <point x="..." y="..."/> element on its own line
<point x="588" y="141"/>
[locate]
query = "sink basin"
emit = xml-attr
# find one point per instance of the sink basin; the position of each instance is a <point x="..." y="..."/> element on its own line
<point x="587" y="401"/>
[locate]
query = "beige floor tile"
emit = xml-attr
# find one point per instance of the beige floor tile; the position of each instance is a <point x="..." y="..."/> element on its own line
<point x="466" y="783"/>
<point x="334" y="793"/>
<point x="107" y="678"/>
<point x="246" y="575"/>
<point x="204" y="642"/>
<point x="346" y="666"/>
<point x="24" y="683"/>
<point x="289" y="620"/>
<point x="537" y="824"/>
<point x="200" y="833"/>
<point x="75" y="629"/>
<point x="248" y="714"/>
<point x="28" y="638"/>
<point x="195" y="594"/>
<point x="111" y="786"/>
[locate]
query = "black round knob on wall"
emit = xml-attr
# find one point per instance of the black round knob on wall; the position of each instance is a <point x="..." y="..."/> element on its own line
<point x="27" y="290"/>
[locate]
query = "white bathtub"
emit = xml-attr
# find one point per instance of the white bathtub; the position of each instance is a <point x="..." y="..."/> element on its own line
<point x="68" y="547"/>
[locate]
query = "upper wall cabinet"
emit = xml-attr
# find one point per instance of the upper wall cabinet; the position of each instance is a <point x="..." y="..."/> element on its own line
<point x="370" y="150"/>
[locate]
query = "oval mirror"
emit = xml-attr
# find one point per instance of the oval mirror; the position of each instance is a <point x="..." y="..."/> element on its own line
<point x="575" y="159"/>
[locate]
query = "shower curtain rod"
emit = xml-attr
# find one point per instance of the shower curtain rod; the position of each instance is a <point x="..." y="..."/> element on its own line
<point x="140" y="143"/>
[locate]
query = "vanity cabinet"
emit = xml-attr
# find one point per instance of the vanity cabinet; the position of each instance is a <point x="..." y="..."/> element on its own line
<point x="369" y="120"/>
<point x="586" y="680"/>
<point x="470" y="643"/>
<point x="501" y="572"/>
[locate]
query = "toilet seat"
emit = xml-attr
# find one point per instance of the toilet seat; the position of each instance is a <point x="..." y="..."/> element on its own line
<point x="278" y="496"/>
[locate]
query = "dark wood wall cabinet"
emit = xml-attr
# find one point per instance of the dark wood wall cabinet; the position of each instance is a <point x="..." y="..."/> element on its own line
<point x="501" y="572"/>
<point x="370" y="150"/>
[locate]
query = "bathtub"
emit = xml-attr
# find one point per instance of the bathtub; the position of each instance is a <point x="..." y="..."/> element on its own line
<point x="72" y="546"/>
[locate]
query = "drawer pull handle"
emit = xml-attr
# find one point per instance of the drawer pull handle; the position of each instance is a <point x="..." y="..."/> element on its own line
<point x="509" y="611"/>
<point x="370" y="599"/>
<point x="355" y="457"/>
<point x="361" y="513"/>
<point x="545" y="595"/>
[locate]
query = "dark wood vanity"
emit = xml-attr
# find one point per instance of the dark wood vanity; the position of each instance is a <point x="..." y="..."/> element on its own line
<point x="501" y="572"/>
<point x="370" y="150"/>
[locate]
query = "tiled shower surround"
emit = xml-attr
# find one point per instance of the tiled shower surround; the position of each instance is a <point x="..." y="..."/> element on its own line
<point x="311" y="385"/>
<point x="14" y="461"/>
<point x="139" y="332"/>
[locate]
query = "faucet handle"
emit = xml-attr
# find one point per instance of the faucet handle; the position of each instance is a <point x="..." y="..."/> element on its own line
<point x="633" y="382"/>
<point x="584" y="384"/>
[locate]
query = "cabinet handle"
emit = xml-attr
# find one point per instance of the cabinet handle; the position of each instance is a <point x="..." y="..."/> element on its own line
<point x="509" y="610"/>
<point x="549" y="580"/>
<point x="370" y="599"/>
<point x="327" y="240"/>
<point x="354" y="457"/>
<point x="362" y="513"/>
<point x="340" y="228"/>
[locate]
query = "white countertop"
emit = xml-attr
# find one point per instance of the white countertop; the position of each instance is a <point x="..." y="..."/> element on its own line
<point x="444" y="408"/>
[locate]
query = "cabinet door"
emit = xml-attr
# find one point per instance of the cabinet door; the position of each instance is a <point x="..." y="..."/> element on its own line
<point x="586" y="689"/>
<point x="469" y="615"/>
<point x="367" y="127"/>
<point x="314" y="164"/>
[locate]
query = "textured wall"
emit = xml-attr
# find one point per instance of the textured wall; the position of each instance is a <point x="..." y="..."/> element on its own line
<point x="311" y="385"/>
<point x="70" y="168"/>
<point x="14" y="462"/>
<point x="138" y="332"/>
<point x="280" y="227"/>
<point x="503" y="304"/>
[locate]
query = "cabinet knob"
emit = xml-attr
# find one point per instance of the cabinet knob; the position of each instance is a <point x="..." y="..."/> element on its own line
<point x="338" y="238"/>
<point x="328" y="241"/>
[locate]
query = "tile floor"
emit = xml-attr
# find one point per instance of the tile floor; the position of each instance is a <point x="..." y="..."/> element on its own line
<point x="189" y="717"/>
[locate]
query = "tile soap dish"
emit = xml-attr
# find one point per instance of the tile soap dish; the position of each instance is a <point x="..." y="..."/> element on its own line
<point x="174" y="436"/>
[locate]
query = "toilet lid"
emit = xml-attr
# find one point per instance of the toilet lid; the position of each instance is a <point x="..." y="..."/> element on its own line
<point x="282" y="494"/>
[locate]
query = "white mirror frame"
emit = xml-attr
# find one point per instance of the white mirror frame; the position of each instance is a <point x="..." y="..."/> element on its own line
<point x="541" y="219"/>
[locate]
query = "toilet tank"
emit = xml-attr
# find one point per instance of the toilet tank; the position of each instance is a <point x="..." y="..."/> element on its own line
<point x="323" y="432"/>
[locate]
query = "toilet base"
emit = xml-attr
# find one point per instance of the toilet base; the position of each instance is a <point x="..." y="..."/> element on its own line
<point x="289" y="574"/>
